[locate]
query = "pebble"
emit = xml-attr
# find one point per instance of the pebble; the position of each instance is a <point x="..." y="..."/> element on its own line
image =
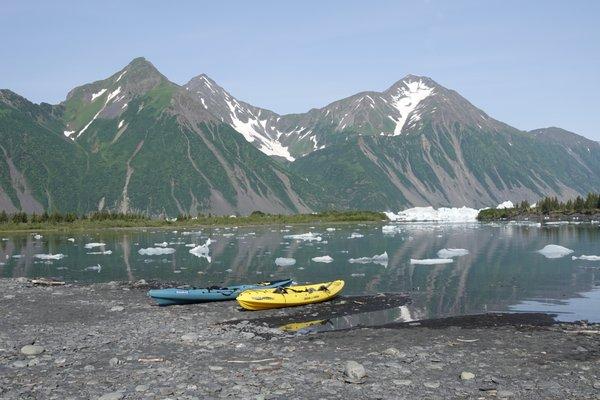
<point x="190" y="337"/>
<point x="596" y="385"/>
<point x="354" y="372"/>
<point x="19" y="364"/>
<point x="431" y="385"/>
<point x="112" y="396"/>
<point x="117" y="308"/>
<point x="402" y="382"/>
<point x="465" y="376"/>
<point x="504" y="393"/>
<point x="392" y="351"/>
<point x="32" y="350"/>
<point x="141" y="388"/>
<point x="113" y="362"/>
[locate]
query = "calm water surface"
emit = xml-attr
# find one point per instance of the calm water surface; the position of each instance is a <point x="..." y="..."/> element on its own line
<point x="502" y="272"/>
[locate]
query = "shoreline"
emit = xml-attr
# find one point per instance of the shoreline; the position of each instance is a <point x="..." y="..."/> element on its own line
<point x="220" y="222"/>
<point x="552" y="217"/>
<point x="106" y="341"/>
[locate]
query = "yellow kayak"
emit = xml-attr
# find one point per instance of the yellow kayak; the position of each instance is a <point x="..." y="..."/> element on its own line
<point x="264" y="299"/>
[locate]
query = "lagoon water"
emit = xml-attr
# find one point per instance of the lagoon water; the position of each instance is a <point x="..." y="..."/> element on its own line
<point x="501" y="272"/>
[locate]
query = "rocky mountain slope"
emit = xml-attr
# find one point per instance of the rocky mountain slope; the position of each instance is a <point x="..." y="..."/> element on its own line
<point x="138" y="142"/>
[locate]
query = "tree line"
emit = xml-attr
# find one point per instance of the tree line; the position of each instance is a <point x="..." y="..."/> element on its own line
<point x="56" y="217"/>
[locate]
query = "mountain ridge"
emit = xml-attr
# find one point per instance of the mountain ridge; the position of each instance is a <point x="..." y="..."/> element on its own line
<point x="136" y="141"/>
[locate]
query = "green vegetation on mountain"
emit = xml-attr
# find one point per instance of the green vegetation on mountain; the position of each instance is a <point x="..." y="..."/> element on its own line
<point x="137" y="143"/>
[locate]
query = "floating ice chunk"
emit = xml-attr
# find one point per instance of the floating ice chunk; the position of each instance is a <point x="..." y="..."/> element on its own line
<point x="305" y="236"/>
<point x="120" y="124"/>
<point x="101" y="253"/>
<point x="355" y="235"/>
<point x="443" y="214"/>
<point x="554" y="251"/>
<point x="330" y="229"/>
<point x="322" y="259"/>
<point x="431" y="261"/>
<point x="381" y="259"/>
<point x="156" y="251"/>
<point x="390" y="229"/>
<point x="163" y="244"/>
<point x="506" y="204"/>
<point x="71" y="240"/>
<point x="92" y="245"/>
<point x="356" y="275"/>
<point x="49" y="256"/>
<point x="96" y="268"/>
<point x="68" y="133"/>
<point x="451" y="253"/>
<point x="284" y="262"/>
<point x="37" y="236"/>
<point x="587" y="258"/>
<point x="202" y="250"/>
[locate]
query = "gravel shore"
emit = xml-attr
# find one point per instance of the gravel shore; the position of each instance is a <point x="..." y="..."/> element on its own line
<point x="107" y="341"/>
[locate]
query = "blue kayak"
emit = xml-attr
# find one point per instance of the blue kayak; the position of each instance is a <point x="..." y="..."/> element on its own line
<point x="166" y="297"/>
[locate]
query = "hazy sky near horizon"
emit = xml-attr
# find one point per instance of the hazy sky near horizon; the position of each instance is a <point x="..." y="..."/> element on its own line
<point x="527" y="63"/>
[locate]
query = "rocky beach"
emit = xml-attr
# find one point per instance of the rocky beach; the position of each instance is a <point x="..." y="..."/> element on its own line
<point x="107" y="341"/>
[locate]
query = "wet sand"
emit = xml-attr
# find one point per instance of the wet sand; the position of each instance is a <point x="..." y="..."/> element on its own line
<point x="108" y="341"/>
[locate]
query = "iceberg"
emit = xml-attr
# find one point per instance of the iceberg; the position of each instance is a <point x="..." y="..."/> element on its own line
<point x="330" y="229"/>
<point x="163" y="244"/>
<point x="443" y="214"/>
<point x="322" y="259"/>
<point x="49" y="256"/>
<point x="587" y="258"/>
<point x="431" y="261"/>
<point x="156" y="251"/>
<point x="96" y="268"/>
<point x="390" y="229"/>
<point x="554" y="251"/>
<point x="506" y="204"/>
<point x="202" y="250"/>
<point x="284" y="262"/>
<point x="107" y="252"/>
<point x="92" y="245"/>
<point x="37" y="237"/>
<point x="451" y="253"/>
<point x="305" y="236"/>
<point x="355" y="235"/>
<point x="71" y="240"/>
<point x="381" y="259"/>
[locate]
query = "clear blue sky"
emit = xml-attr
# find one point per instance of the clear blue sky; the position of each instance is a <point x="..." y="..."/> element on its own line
<point x="528" y="63"/>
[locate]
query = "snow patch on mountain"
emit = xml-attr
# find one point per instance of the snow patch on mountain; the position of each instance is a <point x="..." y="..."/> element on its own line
<point x="98" y="94"/>
<point x="253" y="130"/>
<point x="111" y="96"/>
<point x="120" y="76"/>
<point x="406" y="100"/>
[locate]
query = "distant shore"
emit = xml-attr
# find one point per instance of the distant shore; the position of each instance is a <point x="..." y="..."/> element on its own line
<point x="491" y="215"/>
<point x="196" y="222"/>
